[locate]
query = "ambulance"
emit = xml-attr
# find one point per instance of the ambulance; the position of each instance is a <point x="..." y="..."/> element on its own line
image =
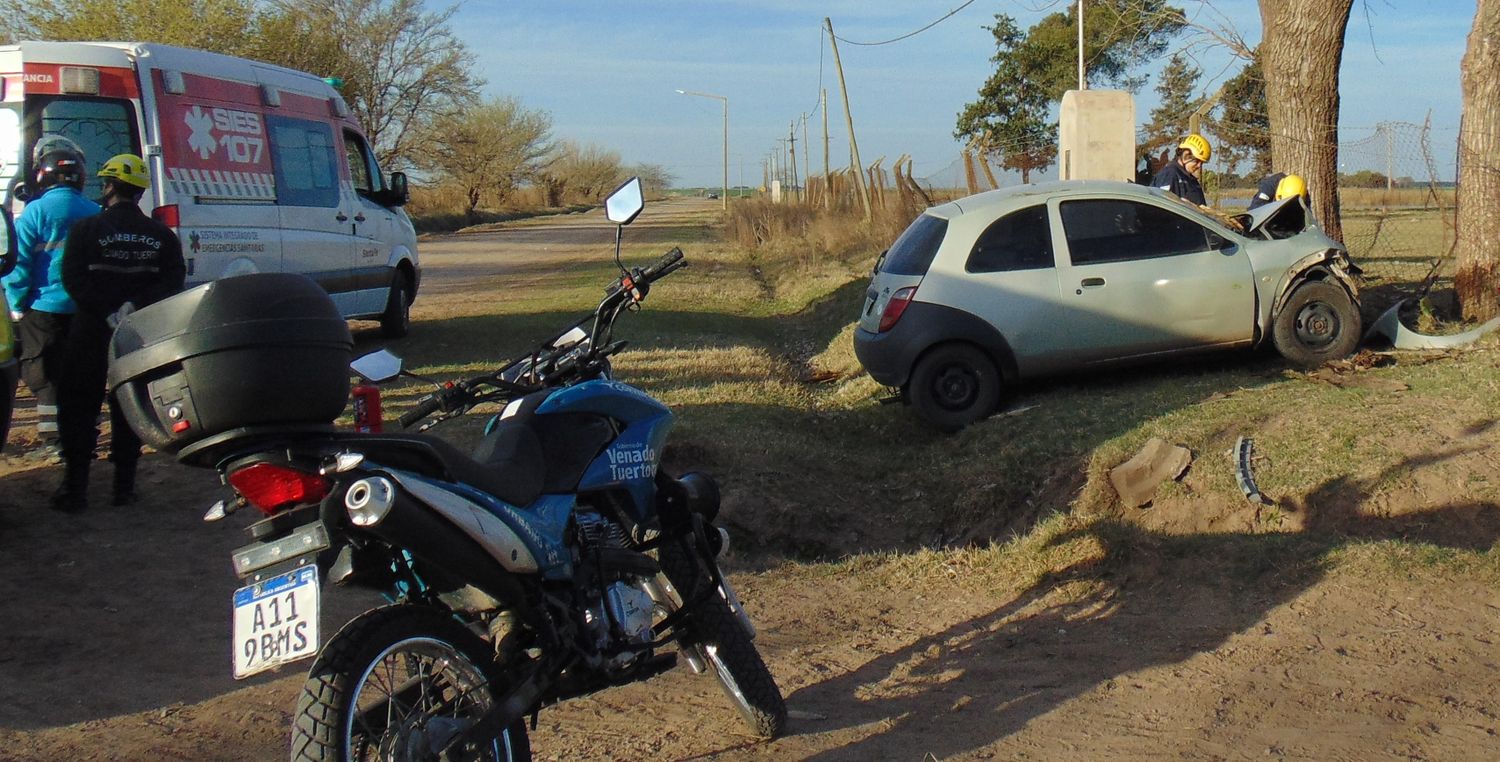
<point x="258" y="168"/>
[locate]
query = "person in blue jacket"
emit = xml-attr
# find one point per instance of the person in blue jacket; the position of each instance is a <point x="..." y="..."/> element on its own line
<point x="34" y="290"/>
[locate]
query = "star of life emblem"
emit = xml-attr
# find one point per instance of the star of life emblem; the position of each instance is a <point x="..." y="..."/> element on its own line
<point x="202" y="139"/>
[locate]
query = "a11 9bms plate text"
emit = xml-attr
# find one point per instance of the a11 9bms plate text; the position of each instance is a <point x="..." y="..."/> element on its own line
<point x="276" y="621"/>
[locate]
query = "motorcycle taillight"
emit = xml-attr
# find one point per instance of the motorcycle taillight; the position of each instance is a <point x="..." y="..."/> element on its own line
<point x="271" y="487"/>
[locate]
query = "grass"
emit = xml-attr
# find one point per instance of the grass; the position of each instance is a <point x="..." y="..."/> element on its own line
<point x="751" y="346"/>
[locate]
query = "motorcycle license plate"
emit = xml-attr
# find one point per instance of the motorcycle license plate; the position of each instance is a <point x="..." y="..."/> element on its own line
<point x="276" y="621"/>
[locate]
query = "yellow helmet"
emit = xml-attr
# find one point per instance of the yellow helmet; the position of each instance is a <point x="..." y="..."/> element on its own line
<point x="1198" y="146"/>
<point x="1291" y="185"/>
<point x="127" y="168"/>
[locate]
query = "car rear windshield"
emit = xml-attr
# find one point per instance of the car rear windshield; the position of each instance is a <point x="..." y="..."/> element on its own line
<point x="912" y="253"/>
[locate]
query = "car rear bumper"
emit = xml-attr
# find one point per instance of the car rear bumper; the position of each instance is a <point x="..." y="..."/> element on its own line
<point x="888" y="357"/>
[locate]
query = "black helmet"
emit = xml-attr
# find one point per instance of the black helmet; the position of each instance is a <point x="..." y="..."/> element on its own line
<point x="58" y="161"/>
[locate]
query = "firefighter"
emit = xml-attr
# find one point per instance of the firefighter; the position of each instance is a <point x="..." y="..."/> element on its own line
<point x="115" y="262"/>
<point x="1183" y="175"/>
<point x="1275" y="187"/>
<point x="39" y="303"/>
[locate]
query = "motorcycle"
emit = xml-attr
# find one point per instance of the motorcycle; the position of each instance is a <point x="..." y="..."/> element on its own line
<point x="557" y="560"/>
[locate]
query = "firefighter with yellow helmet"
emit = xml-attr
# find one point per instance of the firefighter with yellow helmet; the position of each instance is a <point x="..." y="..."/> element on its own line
<point x="1277" y="186"/>
<point x="1183" y="174"/>
<point x="114" y="262"/>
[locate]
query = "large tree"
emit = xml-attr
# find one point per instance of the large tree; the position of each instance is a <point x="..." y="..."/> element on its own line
<point x="1301" y="47"/>
<point x="401" y="65"/>
<point x="1178" y="99"/>
<point x="1478" y="276"/>
<point x="1013" y="118"/>
<point x="490" y="147"/>
<point x="1239" y="121"/>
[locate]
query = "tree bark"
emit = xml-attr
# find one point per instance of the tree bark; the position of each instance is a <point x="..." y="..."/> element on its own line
<point x="1301" y="49"/>
<point x="1478" y="275"/>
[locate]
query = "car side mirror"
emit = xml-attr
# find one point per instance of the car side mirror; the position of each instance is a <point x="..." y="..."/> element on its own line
<point x="399" y="192"/>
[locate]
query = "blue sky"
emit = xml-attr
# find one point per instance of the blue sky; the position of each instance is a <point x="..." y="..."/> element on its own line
<point x="607" y="73"/>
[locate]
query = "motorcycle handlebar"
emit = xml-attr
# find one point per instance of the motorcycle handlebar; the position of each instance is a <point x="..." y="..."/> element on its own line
<point x="425" y="407"/>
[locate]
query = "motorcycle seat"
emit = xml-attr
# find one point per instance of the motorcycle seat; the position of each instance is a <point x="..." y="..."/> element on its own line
<point x="516" y="479"/>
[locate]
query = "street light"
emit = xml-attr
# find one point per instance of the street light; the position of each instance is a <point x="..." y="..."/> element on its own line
<point x="724" y="196"/>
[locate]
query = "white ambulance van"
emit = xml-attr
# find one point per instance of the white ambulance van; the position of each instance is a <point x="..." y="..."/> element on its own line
<point x="258" y="168"/>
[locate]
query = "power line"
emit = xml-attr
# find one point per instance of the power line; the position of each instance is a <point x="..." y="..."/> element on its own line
<point x="910" y="34"/>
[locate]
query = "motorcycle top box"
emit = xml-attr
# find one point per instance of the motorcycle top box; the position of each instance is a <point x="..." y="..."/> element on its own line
<point x="268" y="348"/>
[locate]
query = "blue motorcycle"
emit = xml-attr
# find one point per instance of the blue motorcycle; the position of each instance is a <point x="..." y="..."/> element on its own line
<point x="556" y="560"/>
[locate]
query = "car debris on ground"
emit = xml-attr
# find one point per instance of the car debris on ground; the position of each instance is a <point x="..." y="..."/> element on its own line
<point x="1157" y="461"/>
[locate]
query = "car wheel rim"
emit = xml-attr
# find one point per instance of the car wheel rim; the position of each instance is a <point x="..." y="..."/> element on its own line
<point x="956" y="387"/>
<point x="1317" y="325"/>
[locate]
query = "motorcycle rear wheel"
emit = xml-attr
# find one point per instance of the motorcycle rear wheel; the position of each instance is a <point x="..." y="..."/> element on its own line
<point x="727" y="647"/>
<point x="392" y="684"/>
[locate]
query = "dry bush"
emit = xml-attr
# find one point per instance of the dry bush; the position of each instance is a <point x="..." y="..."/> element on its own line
<point x="806" y="232"/>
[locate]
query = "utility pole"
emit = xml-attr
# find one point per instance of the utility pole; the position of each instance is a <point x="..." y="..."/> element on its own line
<point x="791" y="144"/>
<point x="859" y="168"/>
<point x="1389" y="167"/>
<point x="827" y="178"/>
<point x="806" y="150"/>
<point x="1082" y="83"/>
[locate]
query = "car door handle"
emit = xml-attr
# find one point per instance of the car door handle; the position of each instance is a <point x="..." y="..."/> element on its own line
<point x="359" y="217"/>
<point x="1091" y="282"/>
<point x="342" y="217"/>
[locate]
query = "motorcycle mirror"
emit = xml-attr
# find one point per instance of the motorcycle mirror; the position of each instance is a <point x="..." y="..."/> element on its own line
<point x="622" y="206"/>
<point x="377" y="366"/>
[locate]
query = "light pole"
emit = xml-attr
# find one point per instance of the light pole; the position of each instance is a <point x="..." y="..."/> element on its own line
<point x="723" y="196"/>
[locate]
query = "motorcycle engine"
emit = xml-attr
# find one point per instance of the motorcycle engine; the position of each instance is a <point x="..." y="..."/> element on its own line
<point x="624" y="604"/>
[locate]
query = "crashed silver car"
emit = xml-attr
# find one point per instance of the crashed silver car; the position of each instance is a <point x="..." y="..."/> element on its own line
<point x="989" y="290"/>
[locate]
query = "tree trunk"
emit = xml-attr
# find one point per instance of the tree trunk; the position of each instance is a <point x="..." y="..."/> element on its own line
<point x="1301" y="48"/>
<point x="1478" y="274"/>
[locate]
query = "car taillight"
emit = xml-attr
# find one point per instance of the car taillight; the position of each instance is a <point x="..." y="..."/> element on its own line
<point x="167" y="215"/>
<point x="896" y="307"/>
<point x="271" y="487"/>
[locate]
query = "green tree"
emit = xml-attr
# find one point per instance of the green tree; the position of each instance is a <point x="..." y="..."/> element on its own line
<point x="1169" y="120"/>
<point x="1012" y="118"/>
<point x="493" y="147"/>
<point x="1241" y="123"/>
<point x="224" y="26"/>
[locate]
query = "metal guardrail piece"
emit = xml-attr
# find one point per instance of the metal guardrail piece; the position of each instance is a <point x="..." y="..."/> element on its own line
<point x="1244" y="451"/>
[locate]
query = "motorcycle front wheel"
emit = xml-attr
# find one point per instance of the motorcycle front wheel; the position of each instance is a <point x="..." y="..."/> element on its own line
<point x="400" y="683"/>
<point x="726" y="646"/>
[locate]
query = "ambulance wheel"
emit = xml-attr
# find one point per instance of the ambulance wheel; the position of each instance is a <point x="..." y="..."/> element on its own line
<point x="396" y="320"/>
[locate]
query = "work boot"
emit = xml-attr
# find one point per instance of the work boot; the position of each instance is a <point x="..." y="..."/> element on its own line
<point x="72" y="495"/>
<point x="124" y="489"/>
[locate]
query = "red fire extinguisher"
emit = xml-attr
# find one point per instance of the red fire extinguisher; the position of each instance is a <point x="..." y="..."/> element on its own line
<point x="367" y="409"/>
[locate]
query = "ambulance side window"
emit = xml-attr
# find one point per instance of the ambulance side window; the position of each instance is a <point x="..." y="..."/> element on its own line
<point x="362" y="164"/>
<point x="306" y="162"/>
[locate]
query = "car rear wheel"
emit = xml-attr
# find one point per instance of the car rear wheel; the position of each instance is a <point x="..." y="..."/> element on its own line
<point x="1318" y="323"/>
<point x="953" y="386"/>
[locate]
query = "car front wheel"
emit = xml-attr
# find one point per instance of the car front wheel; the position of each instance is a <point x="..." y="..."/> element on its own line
<point x="953" y="386"/>
<point x="1318" y="323"/>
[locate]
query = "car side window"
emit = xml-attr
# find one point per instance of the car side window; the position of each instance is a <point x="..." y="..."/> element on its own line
<point x="305" y="163"/>
<point x="1112" y="230"/>
<point x="1018" y="241"/>
<point x="361" y="164"/>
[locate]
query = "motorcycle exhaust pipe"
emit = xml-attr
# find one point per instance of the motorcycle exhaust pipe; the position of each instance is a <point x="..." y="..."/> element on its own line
<point x="379" y="507"/>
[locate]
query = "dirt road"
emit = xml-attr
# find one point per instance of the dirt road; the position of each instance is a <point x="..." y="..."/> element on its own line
<point x="114" y="624"/>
